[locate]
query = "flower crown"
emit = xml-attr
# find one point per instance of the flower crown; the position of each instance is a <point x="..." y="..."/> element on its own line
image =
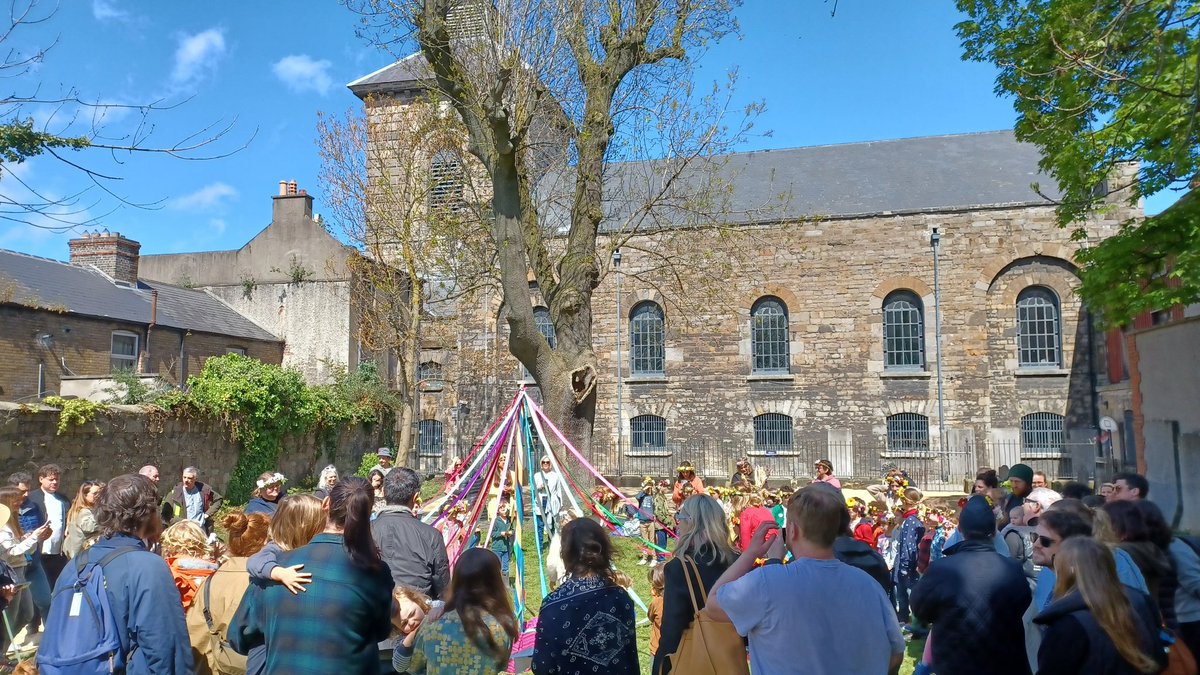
<point x="648" y="481"/>
<point x="273" y="479"/>
<point x="684" y="468"/>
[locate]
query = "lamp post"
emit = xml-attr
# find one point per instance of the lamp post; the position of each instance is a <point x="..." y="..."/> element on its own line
<point x="935" y="240"/>
<point x="616" y="260"/>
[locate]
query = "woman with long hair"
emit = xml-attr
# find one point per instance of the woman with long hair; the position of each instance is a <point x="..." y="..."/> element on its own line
<point x="587" y="623"/>
<point x="704" y="538"/>
<point x="329" y="478"/>
<point x="475" y="635"/>
<point x="1095" y="625"/>
<point x="337" y="623"/>
<point x="14" y="546"/>
<point x="210" y="613"/>
<point x="298" y="520"/>
<point x="1143" y="533"/>
<point x="375" y="478"/>
<point x="268" y="490"/>
<point x="82" y="527"/>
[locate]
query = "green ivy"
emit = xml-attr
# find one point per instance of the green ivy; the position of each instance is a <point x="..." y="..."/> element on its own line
<point x="368" y="462"/>
<point x="262" y="404"/>
<point x="73" y="412"/>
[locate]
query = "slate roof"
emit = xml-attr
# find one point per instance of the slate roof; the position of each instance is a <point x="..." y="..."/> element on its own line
<point x="399" y="75"/>
<point x="912" y="175"/>
<point x="85" y="291"/>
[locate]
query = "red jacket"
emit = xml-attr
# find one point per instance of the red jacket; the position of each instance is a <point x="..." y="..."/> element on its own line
<point x="866" y="533"/>
<point x="751" y="518"/>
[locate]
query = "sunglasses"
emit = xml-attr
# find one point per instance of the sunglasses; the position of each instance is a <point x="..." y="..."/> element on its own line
<point x="1042" y="540"/>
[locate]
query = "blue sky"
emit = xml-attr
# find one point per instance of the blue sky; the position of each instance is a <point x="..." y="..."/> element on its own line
<point x="874" y="71"/>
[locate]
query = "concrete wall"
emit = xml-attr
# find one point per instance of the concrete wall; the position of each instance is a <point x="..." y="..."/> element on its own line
<point x="1168" y="366"/>
<point x="125" y="438"/>
<point x="291" y="279"/>
<point x="266" y="258"/>
<point x="313" y="318"/>
<point x="82" y="346"/>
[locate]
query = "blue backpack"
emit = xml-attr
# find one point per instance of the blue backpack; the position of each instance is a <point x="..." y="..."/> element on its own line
<point x="87" y="639"/>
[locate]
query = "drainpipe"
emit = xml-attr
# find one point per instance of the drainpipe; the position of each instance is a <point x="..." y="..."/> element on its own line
<point x="149" y="331"/>
<point x="41" y="379"/>
<point x="182" y="360"/>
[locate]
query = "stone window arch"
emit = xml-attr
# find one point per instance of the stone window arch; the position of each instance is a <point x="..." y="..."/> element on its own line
<point x="903" y="331"/>
<point x="1039" y="328"/>
<point x="769" y="348"/>
<point x="647" y="349"/>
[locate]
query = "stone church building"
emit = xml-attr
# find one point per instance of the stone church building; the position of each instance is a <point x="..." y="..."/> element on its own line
<point x="814" y="331"/>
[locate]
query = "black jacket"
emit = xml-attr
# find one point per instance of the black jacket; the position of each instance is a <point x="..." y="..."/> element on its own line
<point x="677" y="611"/>
<point x="975" y="598"/>
<point x="1074" y="644"/>
<point x="38" y="497"/>
<point x="858" y="554"/>
<point x="414" y="552"/>
<point x="1158" y="568"/>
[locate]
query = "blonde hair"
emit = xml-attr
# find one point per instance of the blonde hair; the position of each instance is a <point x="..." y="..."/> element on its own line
<point x="1085" y="565"/>
<point x="298" y="519"/>
<point x="414" y="596"/>
<point x="185" y="538"/>
<point x="709" y="526"/>
<point x="80" y="502"/>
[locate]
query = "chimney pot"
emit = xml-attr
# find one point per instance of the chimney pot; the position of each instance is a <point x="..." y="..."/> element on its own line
<point x="292" y="187"/>
<point x="282" y="188"/>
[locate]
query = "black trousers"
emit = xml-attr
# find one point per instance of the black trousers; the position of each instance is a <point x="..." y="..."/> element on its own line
<point x="53" y="564"/>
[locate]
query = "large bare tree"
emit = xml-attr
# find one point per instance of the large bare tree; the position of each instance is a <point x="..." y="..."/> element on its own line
<point x="561" y="101"/>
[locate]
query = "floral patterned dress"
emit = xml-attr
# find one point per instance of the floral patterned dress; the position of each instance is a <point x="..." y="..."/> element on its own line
<point x="586" y="626"/>
<point x="442" y="648"/>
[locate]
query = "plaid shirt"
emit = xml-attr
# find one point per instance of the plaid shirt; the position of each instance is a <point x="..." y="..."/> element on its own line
<point x="334" y="627"/>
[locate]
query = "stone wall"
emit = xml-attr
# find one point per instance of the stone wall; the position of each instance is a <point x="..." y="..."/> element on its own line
<point x="124" y="438"/>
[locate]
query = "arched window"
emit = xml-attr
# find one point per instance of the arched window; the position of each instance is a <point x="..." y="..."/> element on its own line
<point x="429" y="438"/>
<point x="1042" y="434"/>
<point x="647" y="433"/>
<point x="445" y="181"/>
<point x="1039" y="332"/>
<point x="772" y="433"/>
<point x="429" y="376"/>
<point x="903" y="332"/>
<point x="907" y="433"/>
<point x="646" y="349"/>
<point x="545" y="326"/>
<point x="769" y="337"/>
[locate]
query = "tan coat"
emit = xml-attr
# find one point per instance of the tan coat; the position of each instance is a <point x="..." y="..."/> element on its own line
<point x="228" y="584"/>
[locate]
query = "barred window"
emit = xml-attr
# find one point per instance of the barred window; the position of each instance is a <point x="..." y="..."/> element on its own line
<point x="429" y="376"/>
<point x="907" y="433"/>
<point x="429" y="438"/>
<point x="769" y="336"/>
<point x="903" y="332"/>
<point x="1042" y="434"/>
<point x="445" y="181"/>
<point x="647" y="433"/>
<point x="646" y="348"/>
<point x="772" y="433"/>
<point x="1039" y="335"/>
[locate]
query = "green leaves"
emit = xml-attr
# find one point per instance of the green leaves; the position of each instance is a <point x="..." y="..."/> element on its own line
<point x="18" y="141"/>
<point x="1097" y="84"/>
<point x="262" y="404"/>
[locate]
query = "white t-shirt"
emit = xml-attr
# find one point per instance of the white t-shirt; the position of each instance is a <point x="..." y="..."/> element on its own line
<point x="56" y="514"/>
<point x="818" y="617"/>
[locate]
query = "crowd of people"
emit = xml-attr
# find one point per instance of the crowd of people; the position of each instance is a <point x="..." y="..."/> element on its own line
<point x="1019" y="578"/>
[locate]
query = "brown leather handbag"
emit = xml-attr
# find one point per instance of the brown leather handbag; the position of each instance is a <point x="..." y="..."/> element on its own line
<point x="707" y="647"/>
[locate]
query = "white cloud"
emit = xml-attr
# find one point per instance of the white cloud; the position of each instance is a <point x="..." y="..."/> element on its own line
<point x="218" y="226"/>
<point x="107" y="10"/>
<point x="300" y="72"/>
<point x="197" y="54"/>
<point x="206" y="197"/>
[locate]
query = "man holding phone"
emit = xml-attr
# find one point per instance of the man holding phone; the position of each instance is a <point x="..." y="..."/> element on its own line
<point x="54" y="509"/>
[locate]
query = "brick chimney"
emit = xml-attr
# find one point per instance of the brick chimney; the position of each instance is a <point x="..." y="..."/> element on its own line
<point x="109" y="252"/>
<point x="290" y="203"/>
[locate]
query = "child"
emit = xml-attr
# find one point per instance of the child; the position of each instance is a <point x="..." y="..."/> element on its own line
<point x="663" y="515"/>
<point x="190" y="556"/>
<point x="502" y="534"/>
<point x="657" y="583"/>
<point x="645" y="518"/>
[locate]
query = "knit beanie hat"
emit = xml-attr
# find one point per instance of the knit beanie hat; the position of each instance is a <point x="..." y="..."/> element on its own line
<point x="1021" y="471"/>
<point x="977" y="520"/>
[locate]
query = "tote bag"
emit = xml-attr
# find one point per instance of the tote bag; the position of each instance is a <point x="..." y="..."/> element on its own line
<point x="707" y="647"/>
